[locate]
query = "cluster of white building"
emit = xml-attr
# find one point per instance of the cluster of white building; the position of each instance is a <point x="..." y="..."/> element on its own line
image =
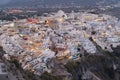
<point x="58" y="35"/>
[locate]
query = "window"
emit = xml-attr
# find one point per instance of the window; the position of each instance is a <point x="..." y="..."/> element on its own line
<point x="105" y="47"/>
<point x="4" y="70"/>
<point x="7" y="77"/>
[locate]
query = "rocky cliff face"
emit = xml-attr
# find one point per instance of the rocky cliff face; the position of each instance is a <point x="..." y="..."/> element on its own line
<point x="89" y="67"/>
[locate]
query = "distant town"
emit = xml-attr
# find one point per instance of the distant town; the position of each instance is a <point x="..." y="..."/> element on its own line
<point x="35" y="41"/>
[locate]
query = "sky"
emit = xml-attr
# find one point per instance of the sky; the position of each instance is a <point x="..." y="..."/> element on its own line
<point x="2" y="2"/>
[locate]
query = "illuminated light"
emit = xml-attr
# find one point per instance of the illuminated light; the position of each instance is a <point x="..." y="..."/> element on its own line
<point x="66" y="52"/>
<point x="110" y="26"/>
<point x="11" y="24"/>
<point x="99" y="19"/>
<point x="70" y="57"/>
<point x="32" y="49"/>
<point x="106" y="34"/>
<point x="37" y="48"/>
<point x="60" y="19"/>
<point x="30" y="42"/>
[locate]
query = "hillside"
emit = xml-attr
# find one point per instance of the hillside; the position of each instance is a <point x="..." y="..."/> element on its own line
<point x="34" y="3"/>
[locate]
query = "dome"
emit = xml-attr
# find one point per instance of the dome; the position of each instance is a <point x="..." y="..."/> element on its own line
<point x="61" y="13"/>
